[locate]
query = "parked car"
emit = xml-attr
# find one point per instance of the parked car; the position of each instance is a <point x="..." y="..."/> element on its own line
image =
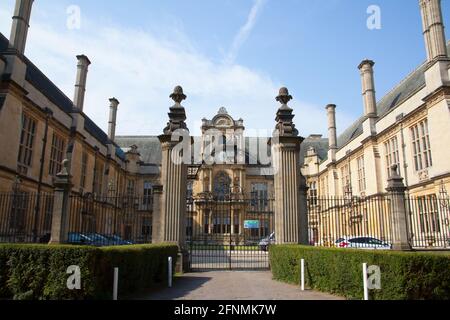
<point x="115" y="240"/>
<point x="79" y="239"/>
<point x="265" y="243"/>
<point x="369" y="243"/>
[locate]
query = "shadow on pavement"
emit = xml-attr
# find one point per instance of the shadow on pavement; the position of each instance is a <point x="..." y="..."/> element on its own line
<point x="182" y="286"/>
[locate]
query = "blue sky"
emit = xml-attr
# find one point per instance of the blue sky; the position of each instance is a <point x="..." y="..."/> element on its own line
<point x="232" y="53"/>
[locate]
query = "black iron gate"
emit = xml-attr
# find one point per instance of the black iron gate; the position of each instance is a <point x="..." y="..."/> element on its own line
<point x="229" y="234"/>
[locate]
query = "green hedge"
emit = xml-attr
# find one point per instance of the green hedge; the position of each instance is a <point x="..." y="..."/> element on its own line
<point x="39" y="271"/>
<point x="404" y="276"/>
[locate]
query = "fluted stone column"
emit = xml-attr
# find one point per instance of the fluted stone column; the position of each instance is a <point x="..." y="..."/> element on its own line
<point x="399" y="215"/>
<point x="172" y="224"/>
<point x="291" y="223"/>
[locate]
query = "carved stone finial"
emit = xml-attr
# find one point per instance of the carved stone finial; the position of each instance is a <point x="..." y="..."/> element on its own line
<point x="285" y="125"/>
<point x="394" y="170"/>
<point x="178" y="95"/>
<point x="177" y="114"/>
<point x="223" y="110"/>
<point x="284" y="97"/>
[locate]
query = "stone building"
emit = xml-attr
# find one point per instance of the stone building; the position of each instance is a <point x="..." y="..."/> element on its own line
<point x="40" y="127"/>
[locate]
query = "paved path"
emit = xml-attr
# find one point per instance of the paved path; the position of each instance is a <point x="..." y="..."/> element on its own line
<point x="237" y="285"/>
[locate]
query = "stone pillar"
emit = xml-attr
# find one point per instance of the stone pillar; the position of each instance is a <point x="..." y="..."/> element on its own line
<point x="20" y="25"/>
<point x="60" y="218"/>
<point x="290" y="208"/>
<point x="156" y="216"/>
<point x="433" y="29"/>
<point x="172" y="222"/>
<point x="332" y="132"/>
<point x="399" y="215"/>
<point x="114" y="104"/>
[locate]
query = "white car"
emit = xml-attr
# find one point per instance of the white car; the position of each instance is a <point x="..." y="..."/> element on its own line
<point x="369" y="243"/>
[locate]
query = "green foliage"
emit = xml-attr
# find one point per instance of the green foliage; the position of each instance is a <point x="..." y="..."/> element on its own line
<point x="38" y="272"/>
<point x="404" y="275"/>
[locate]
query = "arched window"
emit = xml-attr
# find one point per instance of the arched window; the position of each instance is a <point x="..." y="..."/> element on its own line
<point x="222" y="185"/>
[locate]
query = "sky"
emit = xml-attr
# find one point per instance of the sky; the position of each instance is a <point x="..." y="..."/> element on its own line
<point x="228" y="53"/>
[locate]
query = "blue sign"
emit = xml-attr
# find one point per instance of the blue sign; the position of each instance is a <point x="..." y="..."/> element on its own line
<point x="251" y="224"/>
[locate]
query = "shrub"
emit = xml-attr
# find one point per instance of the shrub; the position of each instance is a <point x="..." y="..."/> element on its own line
<point x="39" y="271"/>
<point x="404" y="275"/>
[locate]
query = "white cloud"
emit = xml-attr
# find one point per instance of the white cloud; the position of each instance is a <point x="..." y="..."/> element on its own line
<point x="245" y="31"/>
<point x="141" y="69"/>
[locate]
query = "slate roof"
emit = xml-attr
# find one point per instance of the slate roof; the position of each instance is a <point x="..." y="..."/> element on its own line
<point x="318" y="143"/>
<point x="411" y="84"/>
<point x="40" y="81"/>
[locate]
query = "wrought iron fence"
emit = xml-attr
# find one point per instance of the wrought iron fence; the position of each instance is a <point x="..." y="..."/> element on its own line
<point x="429" y="221"/>
<point x="350" y="222"/>
<point x="25" y="217"/>
<point x="102" y="221"/>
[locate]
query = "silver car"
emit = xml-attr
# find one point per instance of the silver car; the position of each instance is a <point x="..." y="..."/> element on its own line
<point x="369" y="243"/>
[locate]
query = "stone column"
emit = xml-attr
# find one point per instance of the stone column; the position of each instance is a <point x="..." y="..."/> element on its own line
<point x="290" y="206"/>
<point x="399" y="215"/>
<point x="61" y="202"/>
<point x="20" y="25"/>
<point x="156" y="216"/>
<point x="172" y="222"/>
<point x="80" y="85"/>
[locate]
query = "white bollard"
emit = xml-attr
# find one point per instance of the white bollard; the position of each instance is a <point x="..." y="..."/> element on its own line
<point x="366" y="282"/>
<point x="116" y="284"/>
<point x="170" y="276"/>
<point x="302" y="274"/>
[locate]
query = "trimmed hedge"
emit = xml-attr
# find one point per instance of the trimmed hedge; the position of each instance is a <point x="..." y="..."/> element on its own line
<point x="404" y="276"/>
<point x="38" y="272"/>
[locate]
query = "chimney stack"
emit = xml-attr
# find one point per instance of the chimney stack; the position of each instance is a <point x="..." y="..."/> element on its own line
<point x="20" y="25"/>
<point x="433" y="29"/>
<point x="112" y="118"/>
<point x="368" y="88"/>
<point x="80" y="85"/>
<point x="332" y="131"/>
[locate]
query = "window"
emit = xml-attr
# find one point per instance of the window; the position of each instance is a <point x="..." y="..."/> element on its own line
<point x="313" y="193"/>
<point x="421" y="146"/>
<point x="148" y="194"/>
<point x="260" y="196"/>
<point x="48" y="212"/>
<point x="190" y="190"/>
<point x="18" y="212"/>
<point x="429" y="215"/>
<point x="146" y="228"/>
<point x="189" y="226"/>
<point x="206" y="221"/>
<point x="130" y="188"/>
<point x="346" y="183"/>
<point x="361" y="174"/>
<point x="26" y="144"/>
<point x="98" y="178"/>
<point x="392" y="155"/>
<point x="56" y="155"/>
<point x="84" y="164"/>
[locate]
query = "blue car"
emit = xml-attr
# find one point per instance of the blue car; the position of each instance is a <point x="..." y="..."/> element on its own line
<point x="115" y="240"/>
<point x="88" y="239"/>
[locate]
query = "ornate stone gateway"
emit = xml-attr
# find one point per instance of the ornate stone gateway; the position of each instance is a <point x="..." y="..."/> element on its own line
<point x="228" y="233"/>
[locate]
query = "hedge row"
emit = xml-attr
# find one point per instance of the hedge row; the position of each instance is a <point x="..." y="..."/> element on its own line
<point x="404" y="276"/>
<point x="38" y="272"/>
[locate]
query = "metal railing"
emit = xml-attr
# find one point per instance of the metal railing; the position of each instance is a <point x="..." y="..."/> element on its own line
<point x="350" y="222"/>
<point x="103" y="221"/>
<point x="25" y="217"/>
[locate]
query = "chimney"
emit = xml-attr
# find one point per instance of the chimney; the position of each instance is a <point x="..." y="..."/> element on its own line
<point x="80" y="85"/>
<point x="112" y="118"/>
<point x="332" y="132"/>
<point x="368" y="88"/>
<point x="433" y="29"/>
<point x="20" y="25"/>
